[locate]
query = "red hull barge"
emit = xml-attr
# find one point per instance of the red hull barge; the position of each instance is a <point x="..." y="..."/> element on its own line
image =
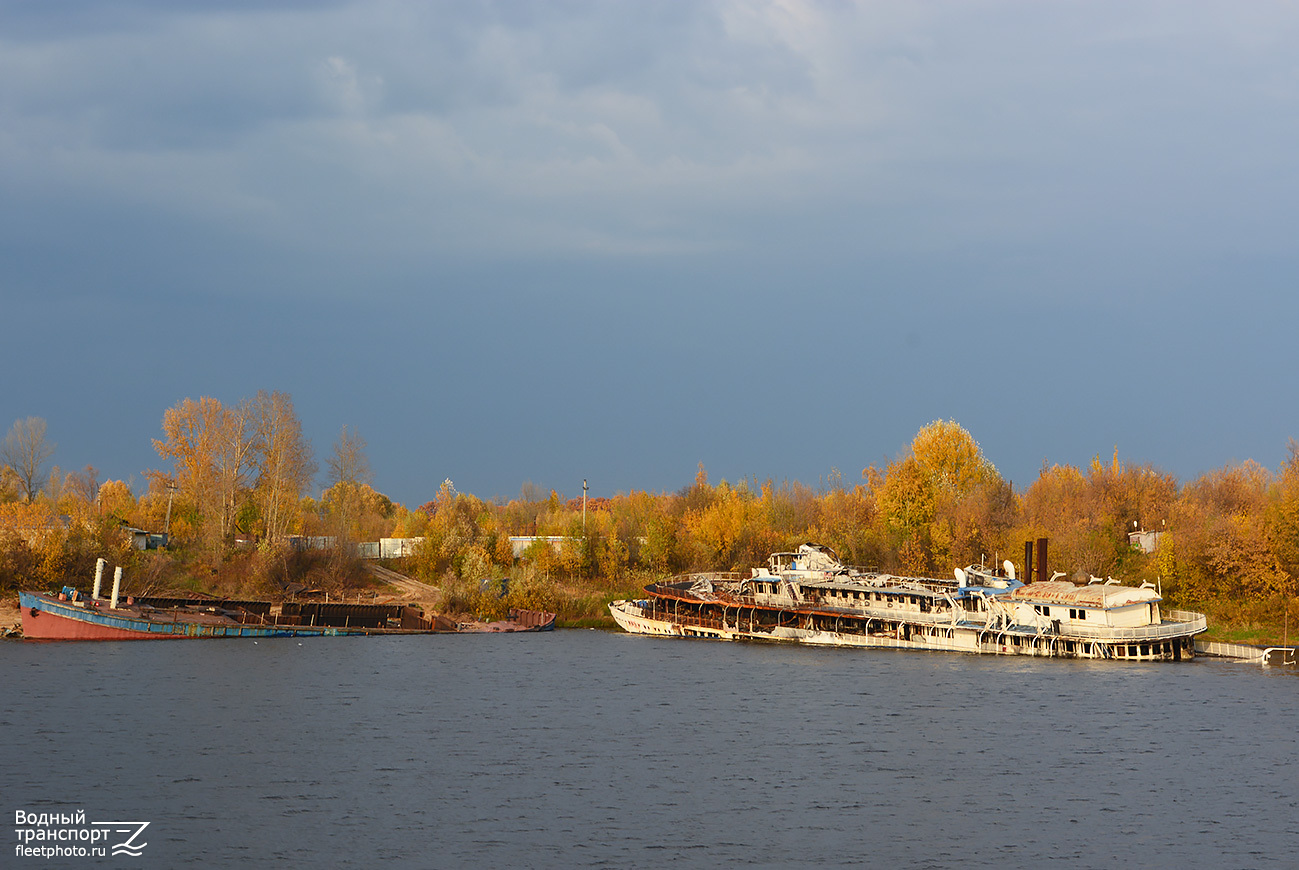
<point x="72" y="616"/>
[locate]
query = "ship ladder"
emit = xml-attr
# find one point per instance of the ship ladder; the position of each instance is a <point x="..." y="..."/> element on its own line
<point x="956" y="610"/>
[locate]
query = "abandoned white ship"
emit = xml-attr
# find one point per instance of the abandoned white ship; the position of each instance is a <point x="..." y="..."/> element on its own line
<point x="811" y="597"/>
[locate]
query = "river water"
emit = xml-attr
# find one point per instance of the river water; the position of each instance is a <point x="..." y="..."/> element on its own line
<point x="598" y="749"/>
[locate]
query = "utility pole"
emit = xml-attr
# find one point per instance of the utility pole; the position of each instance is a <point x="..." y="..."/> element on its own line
<point x="584" y="507"/>
<point x="171" y="491"/>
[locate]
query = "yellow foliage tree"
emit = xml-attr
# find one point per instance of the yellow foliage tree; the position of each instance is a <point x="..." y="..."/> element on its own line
<point x="725" y="531"/>
<point x="923" y="496"/>
<point x="1283" y="517"/>
<point x="1223" y="542"/>
<point x="116" y="500"/>
<point x="950" y="458"/>
<point x="210" y="446"/>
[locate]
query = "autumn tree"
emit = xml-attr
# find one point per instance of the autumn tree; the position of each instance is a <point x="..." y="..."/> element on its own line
<point x="234" y="456"/>
<point x="950" y="458"/>
<point x="1088" y="515"/>
<point x="1284" y="517"/>
<point x="661" y="545"/>
<point x="348" y="463"/>
<point x="642" y="521"/>
<point x="730" y="530"/>
<point x="357" y="512"/>
<point x="10" y="485"/>
<point x="83" y="485"/>
<point x="116" y="501"/>
<point x="462" y="537"/>
<point x="210" y="446"/>
<point x="349" y="472"/>
<point x="26" y="449"/>
<point x="1222" y="542"/>
<point x="848" y="523"/>
<point x="922" y="489"/>
<point x="283" y="460"/>
<point x="54" y="486"/>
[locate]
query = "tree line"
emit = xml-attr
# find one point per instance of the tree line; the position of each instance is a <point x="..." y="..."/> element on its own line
<point x="1232" y="532"/>
<point x="239" y="476"/>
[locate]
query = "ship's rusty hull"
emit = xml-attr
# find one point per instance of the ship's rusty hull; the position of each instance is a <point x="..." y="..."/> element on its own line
<point x="72" y="617"/>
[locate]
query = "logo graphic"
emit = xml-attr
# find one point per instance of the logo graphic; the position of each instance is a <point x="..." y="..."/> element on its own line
<point x="127" y="846"/>
<point x="68" y="835"/>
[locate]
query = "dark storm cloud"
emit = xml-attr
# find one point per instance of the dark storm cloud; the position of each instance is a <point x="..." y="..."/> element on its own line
<point x="546" y="241"/>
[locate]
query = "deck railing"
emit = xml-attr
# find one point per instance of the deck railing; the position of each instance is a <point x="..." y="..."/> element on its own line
<point x="1176" y="623"/>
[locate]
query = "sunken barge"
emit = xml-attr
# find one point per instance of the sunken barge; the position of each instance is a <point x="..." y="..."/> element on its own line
<point x="72" y="615"/>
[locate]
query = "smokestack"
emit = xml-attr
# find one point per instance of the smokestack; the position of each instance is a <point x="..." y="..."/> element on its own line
<point x="117" y="586"/>
<point x="1041" y="559"/>
<point x="99" y="577"/>
<point x="1028" y="561"/>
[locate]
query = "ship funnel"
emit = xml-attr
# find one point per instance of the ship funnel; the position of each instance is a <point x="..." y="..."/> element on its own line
<point x="1010" y="568"/>
<point x="99" y="577"/>
<point x="117" y="586"/>
<point x="960" y="577"/>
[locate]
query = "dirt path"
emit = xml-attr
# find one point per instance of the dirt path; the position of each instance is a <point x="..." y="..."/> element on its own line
<point x="402" y="582"/>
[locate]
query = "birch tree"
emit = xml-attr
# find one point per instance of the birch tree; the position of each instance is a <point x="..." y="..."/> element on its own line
<point x="234" y="458"/>
<point x="25" y="450"/>
<point x="283" y="459"/>
<point x="349" y="472"/>
<point x="210" y="446"/>
<point x="349" y="464"/>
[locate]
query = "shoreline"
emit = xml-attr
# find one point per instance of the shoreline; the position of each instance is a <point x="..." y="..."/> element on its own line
<point x="10" y="616"/>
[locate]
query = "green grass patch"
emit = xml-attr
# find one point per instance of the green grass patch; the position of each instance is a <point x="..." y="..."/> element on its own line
<point x="1259" y="623"/>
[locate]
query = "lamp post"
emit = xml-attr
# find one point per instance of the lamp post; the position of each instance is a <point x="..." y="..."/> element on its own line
<point x="166" y="528"/>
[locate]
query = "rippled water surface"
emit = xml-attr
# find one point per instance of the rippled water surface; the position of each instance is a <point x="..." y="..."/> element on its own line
<point x="583" y="748"/>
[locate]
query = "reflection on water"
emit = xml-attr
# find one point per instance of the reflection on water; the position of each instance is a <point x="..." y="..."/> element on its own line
<point x="584" y="748"/>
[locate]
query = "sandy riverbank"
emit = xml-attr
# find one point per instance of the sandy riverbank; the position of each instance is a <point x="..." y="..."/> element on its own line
<point x="10" y="615"/>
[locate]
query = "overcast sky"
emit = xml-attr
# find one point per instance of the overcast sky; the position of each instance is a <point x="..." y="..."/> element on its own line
<point x="550" y="241"/>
